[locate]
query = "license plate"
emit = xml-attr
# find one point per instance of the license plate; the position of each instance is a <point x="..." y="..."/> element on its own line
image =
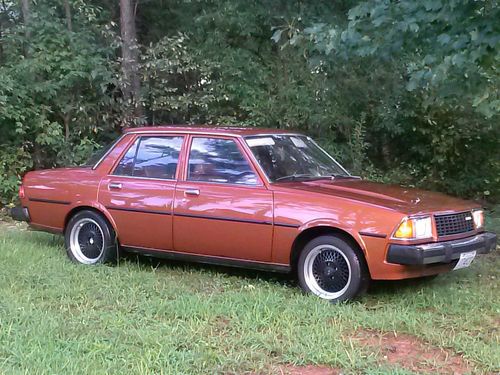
<point x="465" y="260"/>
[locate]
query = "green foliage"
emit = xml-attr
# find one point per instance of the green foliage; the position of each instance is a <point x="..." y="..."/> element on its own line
<point x="14" y="161"/>
<point x="176" y="84"/>
<point x="402" y="92"/>
<point x="429" y="77"/>
<point x="56" y="91"/>
<point x="452" y="46"/>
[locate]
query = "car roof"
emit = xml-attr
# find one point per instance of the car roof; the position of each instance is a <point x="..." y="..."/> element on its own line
<point x="204" y="129"/>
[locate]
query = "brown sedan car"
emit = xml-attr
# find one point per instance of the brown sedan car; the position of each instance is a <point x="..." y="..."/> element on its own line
<point x="258" y="198"/>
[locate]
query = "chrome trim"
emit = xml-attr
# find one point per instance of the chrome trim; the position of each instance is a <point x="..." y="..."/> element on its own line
<point x="140" y="178"/>
<point x="215" y="132"/>
<point x="207" y="132"/>
<point x="194" y="192"/>
<point x="115" y="185"/>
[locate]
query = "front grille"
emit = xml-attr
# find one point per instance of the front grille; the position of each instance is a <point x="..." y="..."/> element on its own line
<point x="447" y="225"/>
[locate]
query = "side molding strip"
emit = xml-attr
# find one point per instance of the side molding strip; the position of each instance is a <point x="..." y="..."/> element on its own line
<point x="48" y="201"/>
<point x="286" y="225"/>
<point x="139" y="210"/>
<point x="377" y="235"/>
<point x="249" y="221"/>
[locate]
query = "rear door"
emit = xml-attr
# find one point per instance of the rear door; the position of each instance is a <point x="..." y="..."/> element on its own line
<point x="222" y="208"/>
<point x="139" y="192"/>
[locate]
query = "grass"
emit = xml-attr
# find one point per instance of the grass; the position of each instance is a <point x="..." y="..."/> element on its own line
<point x="145" y="317"/>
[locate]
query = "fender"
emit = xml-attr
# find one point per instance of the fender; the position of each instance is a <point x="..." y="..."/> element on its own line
<point x="332" y="223"/>
<point x="95" y="205"/>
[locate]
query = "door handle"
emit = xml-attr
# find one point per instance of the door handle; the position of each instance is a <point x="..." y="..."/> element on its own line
<point x="115" y="185"/>
<point x="194" y="192"/>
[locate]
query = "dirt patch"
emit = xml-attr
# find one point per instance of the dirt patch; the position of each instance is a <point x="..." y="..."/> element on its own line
<point x="412" y="353"/>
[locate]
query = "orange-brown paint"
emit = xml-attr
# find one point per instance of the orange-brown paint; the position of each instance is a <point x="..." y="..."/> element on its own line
<point x="249" y="223"/>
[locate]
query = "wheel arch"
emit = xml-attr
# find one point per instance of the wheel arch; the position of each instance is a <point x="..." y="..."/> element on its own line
<point x="320" y="230"/>
<point x="89" y="207"/>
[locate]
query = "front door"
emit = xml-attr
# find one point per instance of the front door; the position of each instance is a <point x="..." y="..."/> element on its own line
<point x="221" y="206"/>
<point x="139" y="193"/>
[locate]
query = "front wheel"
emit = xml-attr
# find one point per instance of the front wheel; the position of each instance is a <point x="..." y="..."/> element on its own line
<point x="332" y="269"/>
<point x="90" y="239"/>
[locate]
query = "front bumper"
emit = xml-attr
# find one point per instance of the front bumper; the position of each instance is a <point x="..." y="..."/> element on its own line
<point x="441" y="252"/>
<point x="20" y="213"/>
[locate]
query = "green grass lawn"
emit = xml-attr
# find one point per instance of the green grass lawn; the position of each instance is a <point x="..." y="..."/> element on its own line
<point x="176" y="318"/>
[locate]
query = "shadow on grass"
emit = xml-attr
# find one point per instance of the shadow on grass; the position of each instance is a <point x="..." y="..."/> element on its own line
<point x="285" y="279"/>
<point x="376" y="288"/>
<point x="379" y="287"/>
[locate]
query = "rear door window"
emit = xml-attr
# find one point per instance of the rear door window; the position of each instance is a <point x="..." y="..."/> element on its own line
<point x="151" y="157"/>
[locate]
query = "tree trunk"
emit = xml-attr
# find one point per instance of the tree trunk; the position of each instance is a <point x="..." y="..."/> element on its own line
<point x="66" y="119"/>
<point x="130" y="64"/>
<point x="67" y="10"/>
<point x="25" y="9"/>
<point x="1" y="44"/>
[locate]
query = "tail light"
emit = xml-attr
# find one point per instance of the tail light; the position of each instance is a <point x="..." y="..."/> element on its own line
<point x="21" y="192"/>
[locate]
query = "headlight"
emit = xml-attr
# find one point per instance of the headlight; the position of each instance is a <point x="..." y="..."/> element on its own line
<point x="478" y="216"/>
<point x="416" y="228"/>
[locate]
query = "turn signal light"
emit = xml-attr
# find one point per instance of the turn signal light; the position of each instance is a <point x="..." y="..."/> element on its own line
<point x="416" y="228"/>
<point x="405" y="230"/>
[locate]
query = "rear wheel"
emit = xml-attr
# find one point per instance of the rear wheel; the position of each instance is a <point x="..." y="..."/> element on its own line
<point x="90" y="239"/>
<point x="332" y="269"/>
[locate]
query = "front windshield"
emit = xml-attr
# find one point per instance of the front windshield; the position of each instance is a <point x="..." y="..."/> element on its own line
<point x="293" y="157"/>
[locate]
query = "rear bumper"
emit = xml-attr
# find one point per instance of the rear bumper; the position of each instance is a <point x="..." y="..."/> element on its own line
<point x="441" y="252"/>
<point x="20" y="213"/>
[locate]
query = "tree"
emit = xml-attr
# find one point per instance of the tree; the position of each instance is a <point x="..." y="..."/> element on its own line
<point x="131" y="86"/>
<point x="401" y="91"/>
<point x="67" y="11"/>
<point x="450" y="50"/>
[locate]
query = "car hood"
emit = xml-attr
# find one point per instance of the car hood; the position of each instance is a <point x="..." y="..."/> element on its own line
<point x="404" y="199"/>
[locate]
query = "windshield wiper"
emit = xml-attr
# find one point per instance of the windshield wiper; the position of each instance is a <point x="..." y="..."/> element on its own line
<point x="293" y="177"/>
<point x="334" y="176"/>
<point x="308" y="176"/>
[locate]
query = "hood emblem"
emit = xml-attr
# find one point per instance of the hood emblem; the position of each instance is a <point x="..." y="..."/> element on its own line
<point x="415" y="200"/>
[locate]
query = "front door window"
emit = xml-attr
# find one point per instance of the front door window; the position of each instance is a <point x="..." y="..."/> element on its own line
<point x="219" y="160"/>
